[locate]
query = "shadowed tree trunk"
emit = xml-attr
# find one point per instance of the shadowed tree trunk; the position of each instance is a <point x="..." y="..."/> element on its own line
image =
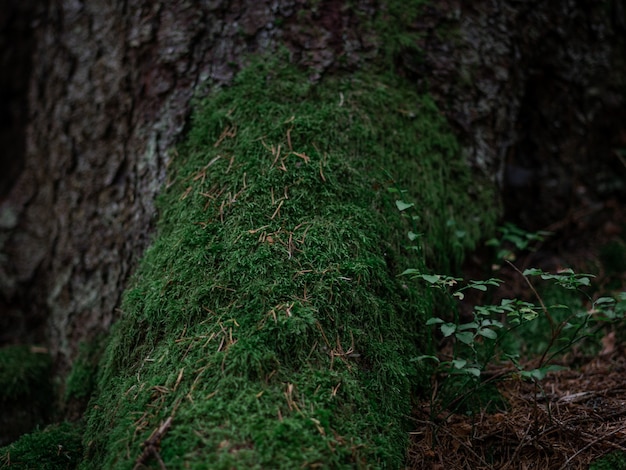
<point x="97" y="94"/>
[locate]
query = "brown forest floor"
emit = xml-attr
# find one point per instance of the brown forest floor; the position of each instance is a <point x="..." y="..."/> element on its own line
<point x="579" y="415"/>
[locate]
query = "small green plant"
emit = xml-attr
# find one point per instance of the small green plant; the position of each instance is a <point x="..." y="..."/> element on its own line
<point x="513" y="240"/>
<point x="480" y="341"/>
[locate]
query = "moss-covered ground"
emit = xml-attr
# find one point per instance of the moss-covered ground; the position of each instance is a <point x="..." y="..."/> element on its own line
<point x="267" y="319"/>
<point x="25" y="371"/>
<point x="26" y="391"/>
<point x="55" y="447"/>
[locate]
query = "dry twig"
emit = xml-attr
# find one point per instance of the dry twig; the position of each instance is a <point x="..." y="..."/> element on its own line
<point x="152" y="446"/>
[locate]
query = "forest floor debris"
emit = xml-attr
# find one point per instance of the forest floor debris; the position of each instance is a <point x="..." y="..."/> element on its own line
<point x="579" y="416"/>
<point x="574" y="416"/>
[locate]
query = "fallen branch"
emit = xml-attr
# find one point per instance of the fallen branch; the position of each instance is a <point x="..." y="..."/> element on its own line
<point x="152" y="446"/>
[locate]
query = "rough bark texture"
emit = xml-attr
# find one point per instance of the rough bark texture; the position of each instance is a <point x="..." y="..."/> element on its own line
<point x="537" y="91"/>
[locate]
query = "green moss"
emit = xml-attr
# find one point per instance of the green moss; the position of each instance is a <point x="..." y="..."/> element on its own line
<point x="398" y="33"/>
<point x="613" y="461"/>
<point x="25" y="390"/>
<point x="267" y="317"/>
<point x="81" y="381"/>
<point x="56" y="447"/>
<point x="24" y="372"/>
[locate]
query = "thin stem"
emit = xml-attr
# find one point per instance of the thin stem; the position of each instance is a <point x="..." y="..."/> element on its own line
<point x="554" y="328"/>
<point x="532" y="288"/>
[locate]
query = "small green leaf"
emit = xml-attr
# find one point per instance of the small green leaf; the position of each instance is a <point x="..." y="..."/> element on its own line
<point x="472" y="371"/>
<point x="532" y="374"/>
<point x="423" y="358"/>
<point x="488" y="333"/>
<point x="434" y="321"/>
<point x="490" y="322"/>
<point x="465" y="337"/>
<point x="479" y="287"/>
<point x="432" y="278"/>
<point x="410" y="271"/>
<point x="492" y="242"/>
<point x="554" y="368"/>
<point x="486" y="310"/>
<point x="459" y="295"/>
<point x="533" y="272"/>
<point x="540" y="374"/>
<point x="402" y="206"/>
<point x="447" y="329"/>
<point x="558" y="306"/>
<point x="451" y="281"/>
<point x="467" y="326"/>
<point x="605" y="300"/>
<point x="414" y="236"/>
<point x="459" y="363"/>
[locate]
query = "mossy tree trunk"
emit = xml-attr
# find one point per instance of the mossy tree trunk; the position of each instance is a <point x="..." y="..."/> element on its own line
<point x="267" y="320"/>
<point x="101" y="91"/>
<point x="291" y="325"/>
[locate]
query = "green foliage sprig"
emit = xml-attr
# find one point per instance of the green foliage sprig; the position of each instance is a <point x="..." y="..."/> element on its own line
<point x="482" y="341"/>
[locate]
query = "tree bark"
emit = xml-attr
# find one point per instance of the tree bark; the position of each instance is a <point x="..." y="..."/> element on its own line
<point x="536" y="92"/>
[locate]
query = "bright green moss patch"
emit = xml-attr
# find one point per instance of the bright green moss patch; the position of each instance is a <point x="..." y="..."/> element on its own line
<point x="267" y="318"/>
<point x="56" y="447"/>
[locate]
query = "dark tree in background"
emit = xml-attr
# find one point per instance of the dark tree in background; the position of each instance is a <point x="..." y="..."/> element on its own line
<point x="94" y="94"/>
